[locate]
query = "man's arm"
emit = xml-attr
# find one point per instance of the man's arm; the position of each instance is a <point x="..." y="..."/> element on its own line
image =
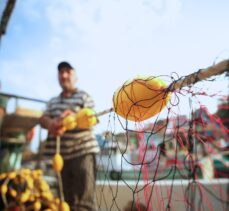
<point x="53" y="125"/>
<point x="45" y="121"/>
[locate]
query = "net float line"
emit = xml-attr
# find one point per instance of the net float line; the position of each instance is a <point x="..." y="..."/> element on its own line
<point x="193" y="78"/>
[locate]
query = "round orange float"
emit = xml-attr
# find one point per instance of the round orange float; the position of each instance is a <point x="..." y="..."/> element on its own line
<point x="141" y="98"/>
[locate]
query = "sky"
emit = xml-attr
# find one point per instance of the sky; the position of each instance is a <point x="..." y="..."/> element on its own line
<point x="109" y="42"/>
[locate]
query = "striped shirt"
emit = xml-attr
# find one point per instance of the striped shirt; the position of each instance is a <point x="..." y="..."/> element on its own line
<point x="77" y="142"/>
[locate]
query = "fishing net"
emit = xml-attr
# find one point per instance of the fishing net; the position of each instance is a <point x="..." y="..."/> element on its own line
<point x="173" y="161"/>
<point x="164" y="149"/>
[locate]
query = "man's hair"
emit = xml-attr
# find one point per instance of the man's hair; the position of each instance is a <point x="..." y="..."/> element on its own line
<point x="64" y="64"/>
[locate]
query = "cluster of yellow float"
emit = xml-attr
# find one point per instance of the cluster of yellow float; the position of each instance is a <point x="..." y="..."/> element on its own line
<point x="26" y="190"/>
<point x="84" y="119"/>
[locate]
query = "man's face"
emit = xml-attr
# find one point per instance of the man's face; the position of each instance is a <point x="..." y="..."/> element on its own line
<point x="67" y="79"/>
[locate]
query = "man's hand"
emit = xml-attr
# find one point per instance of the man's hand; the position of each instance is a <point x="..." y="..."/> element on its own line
<point x="58" y="126"/>
<point x="67" y="113"/>
<point x="55" y="127"/>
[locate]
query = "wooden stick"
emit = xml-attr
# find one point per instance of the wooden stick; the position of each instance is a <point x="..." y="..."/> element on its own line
<point x="200" y="75"/>
<point x="193" y="78"/>
<point x="104" y="112"/>
<point x="59" y="178"/>
<point x="58" y="144"/>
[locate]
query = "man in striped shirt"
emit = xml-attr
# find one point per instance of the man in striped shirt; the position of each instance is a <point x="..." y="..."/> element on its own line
<point x="78" y="146"/>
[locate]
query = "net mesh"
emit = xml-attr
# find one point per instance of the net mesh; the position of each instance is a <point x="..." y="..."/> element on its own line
<point x="172" y="161"/>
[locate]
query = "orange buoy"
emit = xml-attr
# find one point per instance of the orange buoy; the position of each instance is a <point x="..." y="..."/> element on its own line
<point x="69" y="122"/>
<point x="57" y="162"/>
<point x="64" y="206"/>
<point x="141" y="98"/>
<point x="86" y="118"/>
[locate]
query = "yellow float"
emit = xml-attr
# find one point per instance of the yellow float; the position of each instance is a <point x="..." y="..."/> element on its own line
<point x="69" y="122"/>
<point x="86" y="118"/>
<point x="64" y="206"/>
<point x="141" y="98"/>
<point x="57" y="162"/>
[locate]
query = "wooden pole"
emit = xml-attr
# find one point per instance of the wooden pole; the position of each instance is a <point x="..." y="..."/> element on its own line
<point x="200" y="75"/>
